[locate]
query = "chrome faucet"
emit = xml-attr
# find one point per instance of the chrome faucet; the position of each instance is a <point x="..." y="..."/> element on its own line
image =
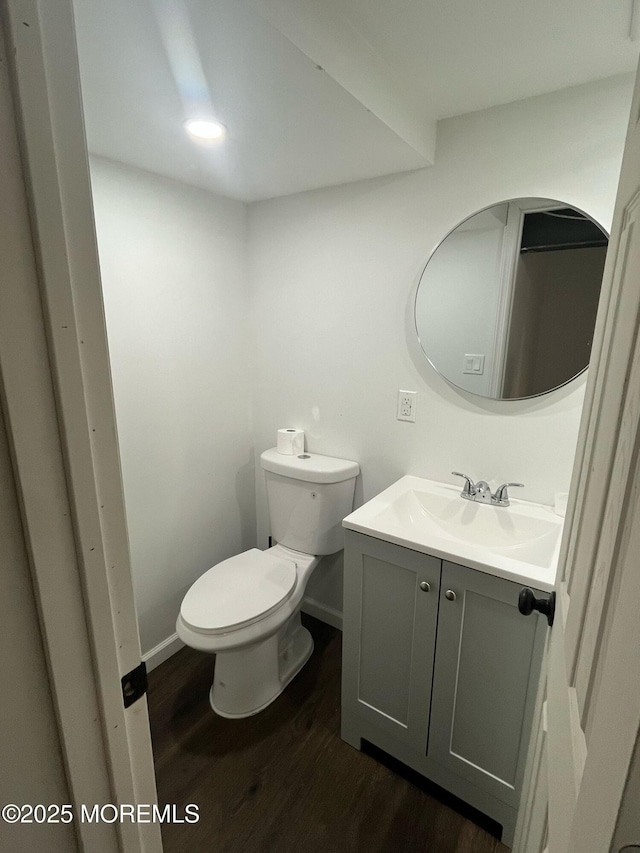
<point x="481" y="491"/>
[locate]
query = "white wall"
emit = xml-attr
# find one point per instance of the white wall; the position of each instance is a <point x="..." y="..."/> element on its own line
<point x="457" y="303"/>
<point x="333" y="275"/>
<point x="173" y="268"/>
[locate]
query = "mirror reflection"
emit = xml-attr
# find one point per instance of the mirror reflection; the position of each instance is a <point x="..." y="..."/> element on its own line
<point x="506" y="305"/>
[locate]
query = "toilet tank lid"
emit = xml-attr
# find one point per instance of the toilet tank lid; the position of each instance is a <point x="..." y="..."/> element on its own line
<point x="311" y="467"/>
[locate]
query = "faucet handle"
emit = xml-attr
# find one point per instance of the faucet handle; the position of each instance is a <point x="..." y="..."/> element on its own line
<point x="501" y="496"/>
<point x="469" y="486"/>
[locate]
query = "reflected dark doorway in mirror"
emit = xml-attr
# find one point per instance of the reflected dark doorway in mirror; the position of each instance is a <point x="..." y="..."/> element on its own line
<point x="554" y="304"/>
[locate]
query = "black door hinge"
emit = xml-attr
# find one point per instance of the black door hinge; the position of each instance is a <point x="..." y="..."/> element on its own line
<point x="134" y="684"/>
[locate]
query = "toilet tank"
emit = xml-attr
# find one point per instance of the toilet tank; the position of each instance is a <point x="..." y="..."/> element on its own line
<point x="308" y="497"/>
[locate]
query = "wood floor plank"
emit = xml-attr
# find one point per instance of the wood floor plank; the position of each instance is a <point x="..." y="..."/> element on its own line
<point x="283" y="781"/>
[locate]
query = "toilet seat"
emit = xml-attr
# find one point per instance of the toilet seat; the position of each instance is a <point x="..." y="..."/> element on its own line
<point x="238" y="592"/>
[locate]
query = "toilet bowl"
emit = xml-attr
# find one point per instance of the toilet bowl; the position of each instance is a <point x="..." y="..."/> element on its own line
<point x="243" y="611"/>
<point x="246" y="609"/>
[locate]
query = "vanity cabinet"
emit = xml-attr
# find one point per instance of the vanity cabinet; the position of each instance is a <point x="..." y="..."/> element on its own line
<point x="440" y="670"/>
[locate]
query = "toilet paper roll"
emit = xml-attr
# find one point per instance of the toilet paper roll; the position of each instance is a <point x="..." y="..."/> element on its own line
<point x="290" y="442"/>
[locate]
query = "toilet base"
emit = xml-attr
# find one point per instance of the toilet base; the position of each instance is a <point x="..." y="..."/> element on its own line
<point x="247" y="680"/>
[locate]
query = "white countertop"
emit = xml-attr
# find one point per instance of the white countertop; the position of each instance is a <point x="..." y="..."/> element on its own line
<point x="520" y="542"/>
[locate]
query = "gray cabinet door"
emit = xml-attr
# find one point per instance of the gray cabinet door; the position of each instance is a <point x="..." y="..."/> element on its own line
<point x="389" y="636"/>
<point x="487" y="659"/>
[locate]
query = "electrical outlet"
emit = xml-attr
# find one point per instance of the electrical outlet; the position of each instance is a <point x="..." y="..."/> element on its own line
<point x="406" y="406"/>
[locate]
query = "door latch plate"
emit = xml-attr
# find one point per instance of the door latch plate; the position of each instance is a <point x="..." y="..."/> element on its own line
<point x="134" y="684"/>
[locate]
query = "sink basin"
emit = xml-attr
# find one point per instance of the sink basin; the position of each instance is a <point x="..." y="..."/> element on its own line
<point x="520" y="542"/>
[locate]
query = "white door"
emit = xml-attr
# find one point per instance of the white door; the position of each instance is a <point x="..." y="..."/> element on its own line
<point x="577" y="791"/>
<point x="55" y="393"/>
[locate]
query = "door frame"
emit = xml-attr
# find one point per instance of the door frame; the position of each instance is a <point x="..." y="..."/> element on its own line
<point x="57" y="401"/>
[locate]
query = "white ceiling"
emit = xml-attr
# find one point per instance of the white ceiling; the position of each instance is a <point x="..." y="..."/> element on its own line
<point x="322" y="92"/>
<point x="467" y="55"/>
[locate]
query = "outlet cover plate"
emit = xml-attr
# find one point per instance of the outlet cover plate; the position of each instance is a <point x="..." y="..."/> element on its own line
<point x="406" y="406"/>
<point x="473" y="363"/>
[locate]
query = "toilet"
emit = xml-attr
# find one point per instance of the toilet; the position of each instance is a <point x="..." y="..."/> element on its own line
<point x="246" y="610"/>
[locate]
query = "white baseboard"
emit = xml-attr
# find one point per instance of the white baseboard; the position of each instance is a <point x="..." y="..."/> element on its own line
<point x="322" y="612"/>
<point x="162" y="652"/>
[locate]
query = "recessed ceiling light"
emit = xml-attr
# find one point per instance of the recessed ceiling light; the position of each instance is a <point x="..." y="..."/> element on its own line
<point x="207" y="129"/>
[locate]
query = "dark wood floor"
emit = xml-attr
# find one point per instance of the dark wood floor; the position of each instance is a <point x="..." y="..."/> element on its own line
<point x="283" y="781"/>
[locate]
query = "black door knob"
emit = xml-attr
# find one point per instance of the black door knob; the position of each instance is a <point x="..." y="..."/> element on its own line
<point x="527" y="603"/>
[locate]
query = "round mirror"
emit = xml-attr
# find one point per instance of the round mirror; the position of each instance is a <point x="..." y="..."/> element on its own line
<point x="506" y="305"/>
